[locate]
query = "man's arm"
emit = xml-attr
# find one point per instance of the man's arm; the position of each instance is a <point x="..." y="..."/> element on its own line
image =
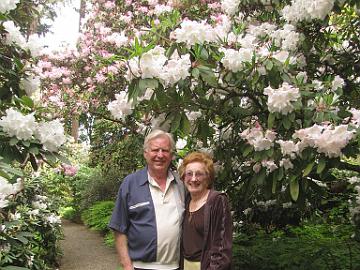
<point x="122" y="250"/>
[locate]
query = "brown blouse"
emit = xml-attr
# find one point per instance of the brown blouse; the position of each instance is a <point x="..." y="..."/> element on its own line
<point x="193" y="234"/>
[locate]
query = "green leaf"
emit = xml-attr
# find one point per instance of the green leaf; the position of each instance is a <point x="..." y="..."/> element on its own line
<point x="286" y="123"/>
<point x="22" y="239"/>
<point x="274" y="182"/>
<point x="62" y="158"/>
<point x="175" y="123"/>
<point x="204" y="54"/>
<point x="7" y="168"/>
<point x="34" y="150"/>
<point x="308" y="169"/>
<point x="185" y="125"/>
<point x="195" y="73"/>
<point x="147" y="83"/>
<point x="26" y="143"/>
<point x="50" y="157"/>
<point x="269" y="65"/>
<point x="271" y="120"/>
<point x="13" y="141"/>
<point x="294" y="188"/>
<point x="259" y="178"/>
<point x="27" y="101"/>
<point x="247" y="151"/>
<point x="321" y="166"/>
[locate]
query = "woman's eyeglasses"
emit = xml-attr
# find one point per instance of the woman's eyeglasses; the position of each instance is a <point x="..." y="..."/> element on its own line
<point x="197" y="174"/>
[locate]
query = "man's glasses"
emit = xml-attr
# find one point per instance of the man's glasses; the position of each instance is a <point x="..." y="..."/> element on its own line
<point x="197" y="174"/>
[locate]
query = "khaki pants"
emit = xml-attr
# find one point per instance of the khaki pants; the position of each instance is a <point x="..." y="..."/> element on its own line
<point x="188" y="265"/>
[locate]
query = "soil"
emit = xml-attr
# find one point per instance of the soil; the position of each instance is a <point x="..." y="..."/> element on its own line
<point x="84" y="249"/>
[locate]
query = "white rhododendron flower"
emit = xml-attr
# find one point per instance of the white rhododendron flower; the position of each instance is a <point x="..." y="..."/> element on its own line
<point x="119" y="39"/>
<point x="234" y="60"/>
<point x="7" y="189"/>
<point x="51" y="135"/>
<point x="286" y="163"/>
<point x="288" y="148"/>
<point x="279" y="100"/>
<point x="269" y="165"/>
<point x="53" y="219"/>
<point x="338" y="82"/>
<point x="160" y="9"/>
<point x="176" y="69"/>
<point x="230" y="7"/>
<point x="34" y="45"/>
<point x="8" y="5"/>
<point x="154" y="64"/>
<point x="14" y="35"/>
<point x="192" y="32"/>
<point x="160" y="122"/>
<point x="287" y="38"/>
<point x="30" y="84"/>
<point x="133" y="70"/>
<point x="257" y="138"/>
<point x="121" y="106"/>
<point x="16" y="124"/>
<point x="281" y="56"/>
<point x="326" y="139"/>
<point x="300" y="10"/>
<point x="192" y="116"/>
<point x="181" y="143"/>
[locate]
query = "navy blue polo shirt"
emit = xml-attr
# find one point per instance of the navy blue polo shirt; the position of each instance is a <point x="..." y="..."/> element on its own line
<point x="134" y="216"/>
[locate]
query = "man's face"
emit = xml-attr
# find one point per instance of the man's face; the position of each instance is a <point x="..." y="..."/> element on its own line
<point x="158" y="154"/>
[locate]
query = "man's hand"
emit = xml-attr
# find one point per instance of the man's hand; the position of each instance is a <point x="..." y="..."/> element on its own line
<point x="122" y="250"/>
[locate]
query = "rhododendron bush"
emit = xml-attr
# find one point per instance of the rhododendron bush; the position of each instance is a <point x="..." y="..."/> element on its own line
<point x="29" y="136"/>
<point x="269" y="87"/>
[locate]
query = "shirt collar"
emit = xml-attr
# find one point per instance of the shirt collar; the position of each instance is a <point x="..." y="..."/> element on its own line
<point x="170" y="177"/>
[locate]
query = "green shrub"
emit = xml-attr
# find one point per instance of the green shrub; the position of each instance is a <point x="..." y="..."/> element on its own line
<point x="98" y="216"/>
<point x="68" y="213"/>
<point x="312" y="246"/>
<point x="109" y="239"/>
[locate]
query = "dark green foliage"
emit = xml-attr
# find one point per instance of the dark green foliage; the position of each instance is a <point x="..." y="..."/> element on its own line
<point x="320" y="247"/>
<point x="98" y="216"/>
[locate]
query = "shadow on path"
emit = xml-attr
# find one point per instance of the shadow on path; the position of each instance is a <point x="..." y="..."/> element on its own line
<point x="85" y="250"/>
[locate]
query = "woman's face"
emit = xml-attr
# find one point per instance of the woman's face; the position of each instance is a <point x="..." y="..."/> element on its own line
<point x="196" y="178"/>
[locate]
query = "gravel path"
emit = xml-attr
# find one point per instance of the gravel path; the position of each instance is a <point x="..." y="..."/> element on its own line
<point x="85" y="250"/>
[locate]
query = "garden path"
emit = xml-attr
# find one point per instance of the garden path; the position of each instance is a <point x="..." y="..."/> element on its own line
<point x="85" y="250"/>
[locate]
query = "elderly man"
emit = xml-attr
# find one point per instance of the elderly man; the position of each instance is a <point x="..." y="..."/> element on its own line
<point x="148" y="211"/>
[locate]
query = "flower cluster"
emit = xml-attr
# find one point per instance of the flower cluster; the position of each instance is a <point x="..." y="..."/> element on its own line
<point x="30" y="84"/>
<point x="8" y="5"/>
<point x="234" y="59"/>
<point x="279" y="100"/>
<point x="256" y="137"/>
<point x="154" y="64"/>
<point x="25" y="127"/>
<point x="193" y="32"/>
<point x="300" y="10"/>
<point x="326" y="139"/>
<point x="121" y="106"/>
<point x="230" y="7"/>
<point x="15" y="36"/>
<point x="7" y="189"/>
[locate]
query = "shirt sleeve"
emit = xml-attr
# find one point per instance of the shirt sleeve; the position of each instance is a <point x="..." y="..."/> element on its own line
<point x="120" y="219"/>
<point x="221" y="234"/>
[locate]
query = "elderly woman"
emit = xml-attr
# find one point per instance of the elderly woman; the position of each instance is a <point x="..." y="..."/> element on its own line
<point x="207" y="224"/>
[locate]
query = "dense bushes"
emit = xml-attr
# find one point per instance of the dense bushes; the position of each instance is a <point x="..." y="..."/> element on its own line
<point x="310" y="247"/>
<point x="30" y="231"/>
<point x="97" y="217"/>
